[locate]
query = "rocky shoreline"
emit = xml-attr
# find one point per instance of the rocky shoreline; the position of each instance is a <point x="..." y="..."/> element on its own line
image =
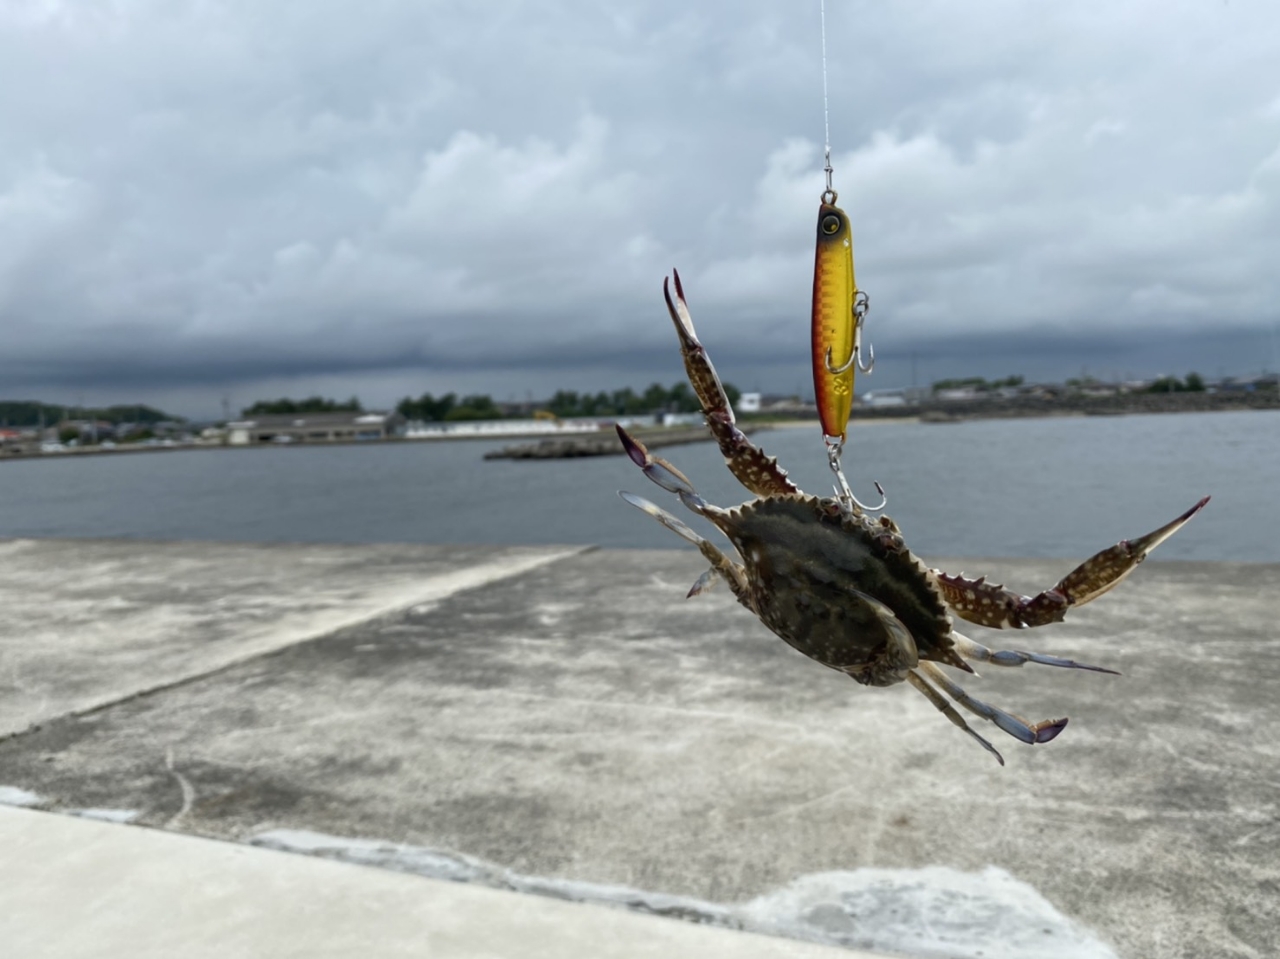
<point x="1075" y="405"/>
<point x="604" y="443"/>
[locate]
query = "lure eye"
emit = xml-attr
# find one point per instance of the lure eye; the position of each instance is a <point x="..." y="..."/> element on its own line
<point x="830" y="224"/>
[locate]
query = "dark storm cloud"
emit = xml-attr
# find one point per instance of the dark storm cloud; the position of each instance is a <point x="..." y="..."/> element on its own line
<point x="223" y="194"/>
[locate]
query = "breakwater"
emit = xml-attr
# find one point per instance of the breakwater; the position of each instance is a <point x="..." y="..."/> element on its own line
<point x="604" y="443"/>
<point x="1079" y="404"/>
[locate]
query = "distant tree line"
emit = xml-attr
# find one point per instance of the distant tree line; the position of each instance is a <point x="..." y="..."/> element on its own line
<point x="1171" y="384"/>
<point x="449" y="408"/>
<point x="31" y="413"/>
<point x="565" y="403"/>
<point x="977" y="383"/>
<point x="312" y="404"/>
<point x="679" y="398"/>
<point x="1194" y="383"/>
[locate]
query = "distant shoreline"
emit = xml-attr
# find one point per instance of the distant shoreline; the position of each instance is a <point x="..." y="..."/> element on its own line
<point x="943" y="413"/>
<point x="1080" y="404"/>
<point x="984" y="408"/>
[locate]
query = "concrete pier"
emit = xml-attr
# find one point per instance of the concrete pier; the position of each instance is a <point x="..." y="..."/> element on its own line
<point x="550" y="724"/>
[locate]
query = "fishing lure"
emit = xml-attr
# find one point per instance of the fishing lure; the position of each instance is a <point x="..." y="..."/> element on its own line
<point x="838" y="311"/>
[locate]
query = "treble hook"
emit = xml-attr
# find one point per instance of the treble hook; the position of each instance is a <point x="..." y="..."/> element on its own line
<point x="843" y="491"/>
<point x="845" y="367"/>
<point x="861" y="306"/>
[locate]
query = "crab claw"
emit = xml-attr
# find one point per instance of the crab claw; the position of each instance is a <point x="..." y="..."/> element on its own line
<point x="754" y="469"/>
<point x="1104" y="571"/>
<point x="989" y="604"/>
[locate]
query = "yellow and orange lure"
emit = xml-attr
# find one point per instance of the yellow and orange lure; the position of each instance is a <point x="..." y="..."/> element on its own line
<point x="838" y="310"/>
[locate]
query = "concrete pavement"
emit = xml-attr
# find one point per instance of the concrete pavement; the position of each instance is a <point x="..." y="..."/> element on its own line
<point x="572" y="727"/>
<point x="146" y="614"/>
<point x="78" y="888"/>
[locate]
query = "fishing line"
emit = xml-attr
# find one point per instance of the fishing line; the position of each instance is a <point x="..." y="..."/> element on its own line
<point x="830" y="195"/>
<point x="839" y="311"/>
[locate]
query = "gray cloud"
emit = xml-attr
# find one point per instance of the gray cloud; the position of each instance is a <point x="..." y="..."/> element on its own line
<point x="199" y="198"/>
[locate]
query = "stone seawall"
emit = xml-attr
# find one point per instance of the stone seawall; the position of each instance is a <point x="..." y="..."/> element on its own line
<point x="1078" y="405"/>
<point x="604" y="443"/>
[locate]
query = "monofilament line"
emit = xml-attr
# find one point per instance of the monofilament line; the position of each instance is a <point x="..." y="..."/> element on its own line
<point x="826" y="109"/>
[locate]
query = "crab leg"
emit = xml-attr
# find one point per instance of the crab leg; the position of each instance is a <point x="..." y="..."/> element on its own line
<point x="732" y="572"/>
<point x="662" y="473"/>
<point x="673" y="481"/>
<point x="757" y="472"/>
<point x="967" y="648"/>
<point x="990" y="604"/>
<point x="944" y="707"/>
<point x="1015" y="726"/>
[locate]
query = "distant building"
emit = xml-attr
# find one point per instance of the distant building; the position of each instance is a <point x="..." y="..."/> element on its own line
<point x="1240" y="384"/>
<point x="956" y="395"/>
<point x="18" y="440"/>
<point x="880" y="398"/>
<point x="1044" y="391"/>
<point x="496" y="429"/>
<point x="1099" y="389"/>
<point x="88" y="429"/>
<point x="785" y="404"/>
<point x="314" y="428"/>
<point x="683" y="419"/>
<point x="749" y="403"/>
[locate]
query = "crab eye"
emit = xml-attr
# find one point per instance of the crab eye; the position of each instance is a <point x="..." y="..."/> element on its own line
<point x="830" y="224"/>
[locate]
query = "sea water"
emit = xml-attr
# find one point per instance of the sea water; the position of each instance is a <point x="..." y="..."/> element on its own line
<point x="1052" y="487"/>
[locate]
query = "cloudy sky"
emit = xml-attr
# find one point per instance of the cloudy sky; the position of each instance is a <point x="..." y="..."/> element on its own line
<point x="240" y="199"/>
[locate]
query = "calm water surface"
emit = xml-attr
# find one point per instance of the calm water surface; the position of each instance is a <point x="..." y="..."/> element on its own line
<point x="1043" y="487"/>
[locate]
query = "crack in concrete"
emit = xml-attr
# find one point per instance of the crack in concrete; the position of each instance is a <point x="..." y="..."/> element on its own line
<point x="188" y="791"/>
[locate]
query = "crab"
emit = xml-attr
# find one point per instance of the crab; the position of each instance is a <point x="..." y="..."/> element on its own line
<point x="840" y="585"/>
